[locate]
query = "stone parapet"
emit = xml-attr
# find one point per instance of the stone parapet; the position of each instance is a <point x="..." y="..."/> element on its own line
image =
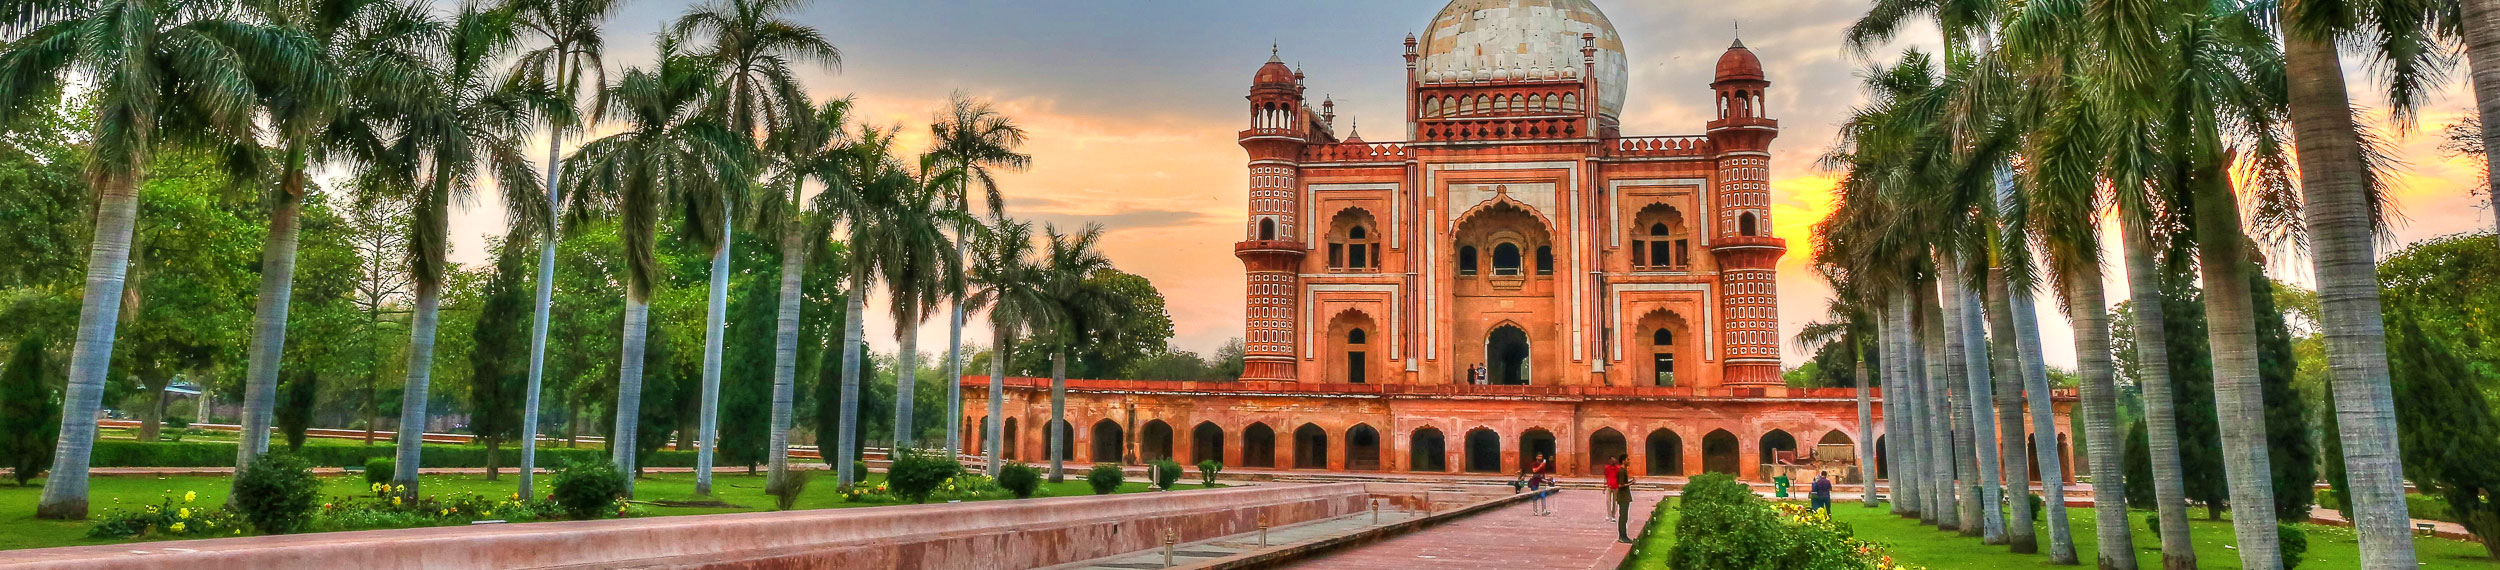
<point x="994" y="534"/>
<point x="1260" y="388"/>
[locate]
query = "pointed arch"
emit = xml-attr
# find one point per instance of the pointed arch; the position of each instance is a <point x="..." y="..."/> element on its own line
<point x="1604" y="445"/>
<point x="1665" y="452"/>
<point x="1427" y="451"/>
<point x="1258" y="446"/>
<point x="1206" y="443"/>
<point x="1362" y="448"/>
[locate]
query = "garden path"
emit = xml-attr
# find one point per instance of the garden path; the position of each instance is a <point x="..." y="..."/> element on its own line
<point x="1575" y="536"/>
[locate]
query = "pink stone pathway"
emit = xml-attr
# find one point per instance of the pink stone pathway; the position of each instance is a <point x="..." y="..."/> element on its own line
<point x="1576" y="536"/>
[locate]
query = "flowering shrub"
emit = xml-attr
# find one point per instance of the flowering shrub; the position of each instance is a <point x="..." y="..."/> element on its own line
<point x="171" y="517"/>
<point x="392" y="511"/>
<point x="1725" y="526"/>
<point x="958" y="488"/>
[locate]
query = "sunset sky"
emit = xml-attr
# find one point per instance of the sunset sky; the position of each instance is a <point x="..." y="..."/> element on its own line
<point x="1132" y="106"/>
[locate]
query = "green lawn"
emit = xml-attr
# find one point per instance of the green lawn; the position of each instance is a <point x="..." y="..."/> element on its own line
<point x="2330" y="548"/>
<point x="20" y="529"/>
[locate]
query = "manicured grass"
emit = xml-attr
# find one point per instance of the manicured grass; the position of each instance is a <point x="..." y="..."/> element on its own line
<point x="20" y="529"/>
<point x="2330" y="548"/>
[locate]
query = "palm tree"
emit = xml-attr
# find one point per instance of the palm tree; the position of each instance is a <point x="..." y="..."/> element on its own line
<point x="150" y="94"/>
<point x="572" y="45"/>
<point x="972" y="138"/>
<point x="1848" y="324"/>
<point x="2342" y="208"/>
<point x="1082" y="314"/>
<point x="2035" y="382"/>
<point x="751" y="49"/>
<point x="861" y="180"/>
<point x="363" y="44"/>
<point x="464" y="125"/>
<point x="918" y="263"/>
<point x="808" y="148"/>
<point x="1008" y="283"/>
<point x="669" y="149"/>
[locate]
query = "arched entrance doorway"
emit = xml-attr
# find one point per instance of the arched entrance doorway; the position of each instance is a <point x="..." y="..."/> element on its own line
<point x="1352" y="335"/>
<point x="1206" y="442"/>
<point x="1258" y="446"/>
<point x="1666" y="452"/>
<point x="1310" y="447"/>
<point x="1362" y="448"/>
<point x="1777" y="448"/>
<point x="1603" y="447"/>
<point x="1067" y="440"/>
<point x="1506" y="355"/>
<point x="1155" y="442"/>
<point x="1109" y="442"/>
<point x="1008" y="440"/>
<point x="1484" y="451"/>
<point x="1427" y="451"/>
<point x="1538" y="443"/>
<point x="1718" y="452"/>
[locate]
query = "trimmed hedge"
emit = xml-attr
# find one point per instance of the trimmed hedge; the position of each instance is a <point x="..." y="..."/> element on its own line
<point x="115" y="453"/>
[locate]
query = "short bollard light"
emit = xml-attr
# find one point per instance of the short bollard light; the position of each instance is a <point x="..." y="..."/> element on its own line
<point x="1262" y="530"/>
<point x="1375" y="513"/>
<point x="1169" y="537"/>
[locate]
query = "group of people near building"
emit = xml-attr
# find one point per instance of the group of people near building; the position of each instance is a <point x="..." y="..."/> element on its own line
<point x="1538" y="478"/>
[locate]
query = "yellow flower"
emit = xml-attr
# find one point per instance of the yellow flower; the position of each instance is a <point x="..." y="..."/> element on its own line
<point x="176" y="528"/>
<point x="189" y="496"/>
<point x="444" y="512"/>
<point x="151" y="509"/>
<point x="394" y="501"/>
<point x="184" y="513"/>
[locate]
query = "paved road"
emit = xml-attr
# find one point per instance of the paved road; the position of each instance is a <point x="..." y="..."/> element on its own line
<point x="1576" y="536"/>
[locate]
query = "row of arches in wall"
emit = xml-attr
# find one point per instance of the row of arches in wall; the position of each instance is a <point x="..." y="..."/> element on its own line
<point x="1486" y="104"/>
<point x="1361" y="447"/>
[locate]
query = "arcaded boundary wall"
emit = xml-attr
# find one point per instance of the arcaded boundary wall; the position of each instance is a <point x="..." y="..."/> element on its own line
<point x="990" y="534"/>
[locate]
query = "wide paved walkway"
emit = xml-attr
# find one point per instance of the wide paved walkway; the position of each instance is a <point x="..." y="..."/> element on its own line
<point x="1576" y="536"/>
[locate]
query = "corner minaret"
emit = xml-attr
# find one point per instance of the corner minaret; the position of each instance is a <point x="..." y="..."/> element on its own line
<point x="1271" y="251"/>
<point x="1741" y="239"/>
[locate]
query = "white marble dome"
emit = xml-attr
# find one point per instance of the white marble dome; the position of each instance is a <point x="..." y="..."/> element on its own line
<point x="1472" y="39"/>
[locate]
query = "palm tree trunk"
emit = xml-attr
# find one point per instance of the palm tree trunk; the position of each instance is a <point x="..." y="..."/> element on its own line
<point x="543" y="302"/>
<point x="1941" y="449"/>
<point x="2089" y="311"/>
<point x="999" y="333"/>
<point x="954" y="377"/>
<point x="2239" y="397"/>
<point x="715" y="325"/>
<point x="2006" y="368"/>
<point x="2161" y="412"/>
<point x="412" y="399"/>
<point x="785" y="357"/>
<point x="2335" y="187"/>
<point x="621" y="440"/>
<point x="1908" y="446"/>
<point x="2043" y="423"/>
<point x="906" y="379"/>
<point x="2482" y="56"/>
<point x="847" y="442"/>
<point x="1866" y="426"/>
<point x="1896" y="406"/>
<point x="1976" y="440"/>
<point x="277" y="285"/>
<point x="1058" y="415"/>
<point x="99" y="314"/>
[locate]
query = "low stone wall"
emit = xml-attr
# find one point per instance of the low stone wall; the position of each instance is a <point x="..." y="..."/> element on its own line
<point x="992" y="534"/>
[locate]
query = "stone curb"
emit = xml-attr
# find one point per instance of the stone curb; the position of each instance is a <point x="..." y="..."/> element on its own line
<point x="1278" y="555"/>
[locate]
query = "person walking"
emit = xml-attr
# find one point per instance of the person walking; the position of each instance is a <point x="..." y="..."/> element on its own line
<point x="1821" y="493"/>
<point x="1536" y="492"/>
<point x="1620" y="494"/>
<point x="1614" y="480"/>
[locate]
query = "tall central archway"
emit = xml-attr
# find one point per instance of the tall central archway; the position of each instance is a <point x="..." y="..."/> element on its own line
<point x="1506" y="355"/>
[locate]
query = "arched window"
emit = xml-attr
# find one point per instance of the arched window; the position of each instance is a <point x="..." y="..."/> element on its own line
<point x="1544" y="260"/>
<point x="1748" y="225"/>
<point x="1658" y="243"/>
<point x="1467" y="260"/>
<point x="1267" y="229"/>
<point x="1354" y="336"/>
<point x="1506" y="259"/>
<point x="1355" y="360"/>
<point x="1663" y="337"/>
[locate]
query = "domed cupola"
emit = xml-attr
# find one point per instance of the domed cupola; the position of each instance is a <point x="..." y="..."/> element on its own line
<point x="1520" y="40"/>
<point x="1738" y="64"/>
<point x="1275" y="74"/>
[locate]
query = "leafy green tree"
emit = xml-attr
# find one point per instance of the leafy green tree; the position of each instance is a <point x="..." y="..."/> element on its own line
<point x="1144" y="330"/>
<point x="2446" y="428"/>
<point x="27" y="405"/>
<point x="498" y="360"/>
<point x="2289" y="447"/>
